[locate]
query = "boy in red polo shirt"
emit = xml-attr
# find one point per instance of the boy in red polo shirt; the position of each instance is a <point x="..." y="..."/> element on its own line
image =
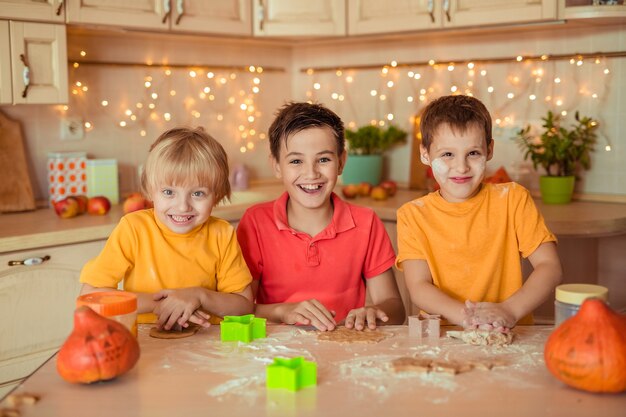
<point x="310" y="253"/>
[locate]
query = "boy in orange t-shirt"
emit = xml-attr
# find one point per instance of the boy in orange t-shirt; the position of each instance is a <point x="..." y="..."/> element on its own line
<point x="463" y="242"/>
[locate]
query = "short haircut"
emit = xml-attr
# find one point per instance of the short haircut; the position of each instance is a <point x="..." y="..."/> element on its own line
<point x="185" y="156"/>
<point x="294" y="117"/>
<point x="459" y="112"/>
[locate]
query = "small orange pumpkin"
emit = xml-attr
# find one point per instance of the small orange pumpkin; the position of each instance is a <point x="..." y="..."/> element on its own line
<point x="588" y="351"/>
<point x="97" y="349"/>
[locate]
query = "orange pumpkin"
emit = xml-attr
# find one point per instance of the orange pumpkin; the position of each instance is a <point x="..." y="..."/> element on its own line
<point x="588" y="351"/>
<point x="97" y="349"/>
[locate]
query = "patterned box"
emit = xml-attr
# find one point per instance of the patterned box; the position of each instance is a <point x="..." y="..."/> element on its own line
<point x="66" y="174"/>
<point x="102" y="179"/>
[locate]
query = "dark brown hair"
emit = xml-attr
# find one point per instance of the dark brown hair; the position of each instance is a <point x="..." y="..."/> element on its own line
<point x="183" y="155"/>
<point x="459" y="112"/>
<point x="294" y="117"/>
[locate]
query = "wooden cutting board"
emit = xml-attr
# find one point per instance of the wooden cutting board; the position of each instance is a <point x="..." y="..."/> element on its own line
<point x="16" y="191"/>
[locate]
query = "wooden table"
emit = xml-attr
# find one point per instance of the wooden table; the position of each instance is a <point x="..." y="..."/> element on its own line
<point x="201" y="376"/>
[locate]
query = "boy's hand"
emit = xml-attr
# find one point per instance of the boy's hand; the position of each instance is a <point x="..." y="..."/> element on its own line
<point x="358" y="317"/>
<point x="488" y="316"/>
<point x="309" y="312"/>
<point x="179" y="306"/>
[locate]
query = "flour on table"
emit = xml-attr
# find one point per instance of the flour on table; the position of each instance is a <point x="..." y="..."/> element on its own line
<point x="482" y="337"/>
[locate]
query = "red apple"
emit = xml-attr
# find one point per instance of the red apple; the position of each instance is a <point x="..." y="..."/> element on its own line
<point x="365" y="188"/>
<point x="390" y="186"/>
<point x="82" y="203"/>
<point x="379" y="193"/>
<point x="134" y="202"/>
<point x="350" y="190"/>
<point x="66" y="208"/>
<point x="98" y="205"/>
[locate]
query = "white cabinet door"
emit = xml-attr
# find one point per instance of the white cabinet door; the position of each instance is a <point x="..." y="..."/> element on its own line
<point x="38" y="63"/>
<point x="6" y="90"/>
<point x="491" y="12"/>
<point x="374" y="16"/>
<point x="584" y="9"/>
<point x="33" y="10"/>
<point x="392" y="16"/>
<point x="229" y="17"/>
<point x="37" y="305"/>
<point x="145" y="14"/>
<point x="299" y="18"/>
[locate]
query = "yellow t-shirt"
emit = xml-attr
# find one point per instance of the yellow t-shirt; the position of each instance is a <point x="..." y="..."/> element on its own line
<point x="148" y="257"/>
<point x="473" y="248"/>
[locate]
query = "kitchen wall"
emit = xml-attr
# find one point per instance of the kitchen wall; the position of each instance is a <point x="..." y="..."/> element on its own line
<point x="577" y="85"/>
<point x="124" y="87"/>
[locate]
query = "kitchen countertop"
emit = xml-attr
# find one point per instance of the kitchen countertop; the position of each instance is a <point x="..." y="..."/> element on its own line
<point x="201" y="375"/>
<point x="42" y="228"/>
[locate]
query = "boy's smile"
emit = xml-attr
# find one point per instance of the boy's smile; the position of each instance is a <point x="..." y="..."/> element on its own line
<point x="181" y="208"/>
<point x="458" y="160"/>
<point x="309" y="167"/>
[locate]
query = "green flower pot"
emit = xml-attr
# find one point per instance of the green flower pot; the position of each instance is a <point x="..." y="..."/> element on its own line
<point x="556" y="190"/>
<point x="363" y="168"/>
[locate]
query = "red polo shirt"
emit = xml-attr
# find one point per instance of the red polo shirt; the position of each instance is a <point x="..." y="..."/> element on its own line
<point x="330" y="267"/>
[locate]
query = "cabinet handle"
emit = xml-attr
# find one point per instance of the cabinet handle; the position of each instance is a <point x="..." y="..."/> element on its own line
<point x="60" y="8"/>
<point x="167" y="8"/>
<point x="261" y="15"/>
<point x="30" y="261"/>
<point x="446" y="8"/>
<point x="431" y="10"/>
<point x="180" y="9"/>
<point x="25" y="75"/>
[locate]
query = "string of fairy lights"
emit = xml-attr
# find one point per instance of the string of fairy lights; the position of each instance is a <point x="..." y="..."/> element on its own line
<point x="515" y="89"/>
<point x="211" y="93"/>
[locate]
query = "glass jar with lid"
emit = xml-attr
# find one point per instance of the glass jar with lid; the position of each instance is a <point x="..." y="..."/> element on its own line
<point x="120" y="306"/>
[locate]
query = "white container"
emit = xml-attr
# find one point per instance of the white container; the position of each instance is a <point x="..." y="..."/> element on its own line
<point x="569" y="298"/>
<point x="102" y="179"/>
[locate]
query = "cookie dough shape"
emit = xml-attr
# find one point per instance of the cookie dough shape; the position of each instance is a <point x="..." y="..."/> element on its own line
<point x="173" y="334"/>
<point x="344" y="335"/>
<point x="425" y="365"/>
<point x="482" y="337"/>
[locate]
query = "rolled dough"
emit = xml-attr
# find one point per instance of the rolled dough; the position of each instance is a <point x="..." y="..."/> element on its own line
<point x="482" y="337"/>
<point x="174" y="334"/>
<point x="344" y="335"/>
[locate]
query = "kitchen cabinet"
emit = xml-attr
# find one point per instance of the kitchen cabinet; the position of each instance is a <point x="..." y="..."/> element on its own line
<point x="33" y="10"/>
<point x="37" y="304"/>
<point x="585" y="9"/>
<point x="231" y="17"/>
<point x="6" y="89"/>
<point x="371" y="16"/>
<point x="37" y="57"/>
<point x="299" y="18"/>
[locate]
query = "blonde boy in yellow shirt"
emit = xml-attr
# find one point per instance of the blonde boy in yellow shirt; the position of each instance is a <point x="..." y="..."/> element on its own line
<point x="183" y="264"/>
<point x="460" y="246"/>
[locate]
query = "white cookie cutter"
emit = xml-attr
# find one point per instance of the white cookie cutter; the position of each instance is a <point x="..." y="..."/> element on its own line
<point x="424" y="326"/>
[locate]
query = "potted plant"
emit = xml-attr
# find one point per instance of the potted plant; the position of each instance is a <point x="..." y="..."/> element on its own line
<point x="365" y="148"/>
<point x="561" y="152"/>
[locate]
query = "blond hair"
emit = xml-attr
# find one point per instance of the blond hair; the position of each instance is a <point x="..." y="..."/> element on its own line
<point x="183" y="156"/>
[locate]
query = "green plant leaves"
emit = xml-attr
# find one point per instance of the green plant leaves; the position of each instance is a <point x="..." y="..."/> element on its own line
<point x="374" y="140"/>
<point x="558" y="150"/>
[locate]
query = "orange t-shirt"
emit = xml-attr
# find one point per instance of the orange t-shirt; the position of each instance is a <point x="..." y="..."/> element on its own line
<point x="473" y="248"/>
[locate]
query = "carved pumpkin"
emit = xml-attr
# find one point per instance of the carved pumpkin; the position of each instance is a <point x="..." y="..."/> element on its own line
<point x="588" y="351"/>
<point x="97" y="349"/>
